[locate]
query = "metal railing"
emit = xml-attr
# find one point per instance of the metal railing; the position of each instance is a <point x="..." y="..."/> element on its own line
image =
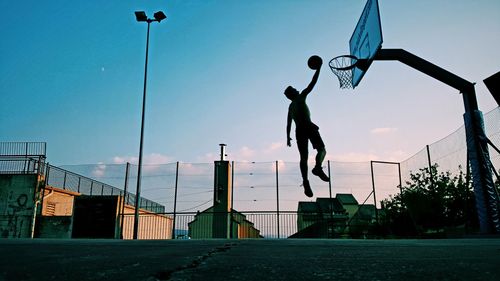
<point x="22" y="157"/>
<point x="256" y="224"/>
<point x="66" y="180"/>
<point x="23" y="148"/>
<point x="21" y="164"/>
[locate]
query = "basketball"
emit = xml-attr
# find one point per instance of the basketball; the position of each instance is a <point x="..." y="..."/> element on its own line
<point x="314" y="62"/>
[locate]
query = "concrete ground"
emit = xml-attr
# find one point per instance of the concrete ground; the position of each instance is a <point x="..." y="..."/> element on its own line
<point x="455" y="259"/>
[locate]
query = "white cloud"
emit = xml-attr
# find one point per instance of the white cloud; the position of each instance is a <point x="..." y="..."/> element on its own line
<point x="99" y="170"/>
<point x="156" y="158"/>
<point x="274" y="147"/>
<point x="208" y="158"/>
<point x="150" y="159"/>
<point x="246" y="153"/>
<point x="196" y="169"/>
<point x="384" y="130"/>
<point x="124" y="159"/>
<point x="282" y="166"/>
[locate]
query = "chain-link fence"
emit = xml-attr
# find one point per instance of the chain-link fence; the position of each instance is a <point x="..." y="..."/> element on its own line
<point x="76" y="182"/>
<point x="267" y="193"/>
<point x="450" y="153"/>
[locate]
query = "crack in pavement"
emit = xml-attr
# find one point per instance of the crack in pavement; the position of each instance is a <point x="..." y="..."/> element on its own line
<point x="166" y="275"/>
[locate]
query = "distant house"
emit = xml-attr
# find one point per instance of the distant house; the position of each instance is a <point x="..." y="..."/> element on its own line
<point x="349" y="203"/>
<point x="207" y="224"/>
<point x="308" y="213"/>
<point x="221" y="220"/>
<point x="327" y="218"/>
<point x="324" y="218"/>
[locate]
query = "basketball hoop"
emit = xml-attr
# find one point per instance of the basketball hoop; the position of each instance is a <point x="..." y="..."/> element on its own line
<point x="342" y="67"/>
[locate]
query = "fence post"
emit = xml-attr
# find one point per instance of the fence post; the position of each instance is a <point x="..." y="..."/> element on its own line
<point x="232" y="197"/>
<point x="25" y="161"/>
<point x="373" y="190"/>
<point x="232" y="200"/>
<point x="277" y="201"/>
<point x="125" y="187"/>
<point x="430" y="165"/>
<point x="175" y="198"/>
<point x="78" y="187"/>
<point x="91" y="186"/>
<point x="330" y="187"/>
<point x="64" y="182"/>
<point x="400" y="180"/>
<point x="47" y="171"/>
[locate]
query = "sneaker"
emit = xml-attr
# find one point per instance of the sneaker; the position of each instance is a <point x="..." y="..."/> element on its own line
<point x="318" y="171"/>
<point x="307" y="188"/>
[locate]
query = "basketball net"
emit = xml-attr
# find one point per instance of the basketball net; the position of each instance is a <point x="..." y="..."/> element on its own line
<point x="342" y="67"/>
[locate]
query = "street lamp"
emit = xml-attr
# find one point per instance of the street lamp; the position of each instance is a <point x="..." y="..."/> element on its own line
<point x="141" y="17"/>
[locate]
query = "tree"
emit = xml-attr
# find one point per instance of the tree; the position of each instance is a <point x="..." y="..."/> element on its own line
<point x="430" y="201"/>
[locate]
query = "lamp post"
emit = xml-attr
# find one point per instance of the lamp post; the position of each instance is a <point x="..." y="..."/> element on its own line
<point x="141" y="17"/>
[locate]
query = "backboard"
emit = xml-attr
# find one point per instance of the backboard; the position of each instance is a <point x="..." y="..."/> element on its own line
<point x="366" y="39"/>
<point x="493" y="84"/>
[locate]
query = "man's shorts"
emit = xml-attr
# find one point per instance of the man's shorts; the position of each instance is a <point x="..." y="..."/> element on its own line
<point x="310" y="132"/>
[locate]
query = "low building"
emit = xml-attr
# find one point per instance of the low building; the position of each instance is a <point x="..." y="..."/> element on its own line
<point x="204" y="224"/>
<point x="18" y="204"/>
<point x="335" y="217"/>
<point x="40" y="200"/>
<point x="349" y="203"/>
<point x="325" y="218"/>
<point x="221" y="220"/>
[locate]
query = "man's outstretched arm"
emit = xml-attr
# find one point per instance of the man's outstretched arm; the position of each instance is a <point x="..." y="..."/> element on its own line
<point x="309" y="88"/>
<point x="288" y="128"/>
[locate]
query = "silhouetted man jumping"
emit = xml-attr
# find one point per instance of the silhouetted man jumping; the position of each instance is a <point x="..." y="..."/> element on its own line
<point x="305" y="130"/>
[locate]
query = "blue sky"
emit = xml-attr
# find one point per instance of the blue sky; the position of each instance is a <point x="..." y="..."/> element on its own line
<point x="71" y="74"/>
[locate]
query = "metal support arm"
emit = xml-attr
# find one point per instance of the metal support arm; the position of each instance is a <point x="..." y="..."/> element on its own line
<point x="465" y="87"/>
<point x="487" y="201"/>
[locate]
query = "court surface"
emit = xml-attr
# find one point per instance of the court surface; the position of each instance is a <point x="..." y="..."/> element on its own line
<point x="453" y="259"/>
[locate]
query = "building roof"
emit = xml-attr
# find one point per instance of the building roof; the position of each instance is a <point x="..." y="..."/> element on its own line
<point x="308" y="207"/>
<point x="325" y="204"/>
<point x="322" y="205"/>
<point x="346" y="199"/>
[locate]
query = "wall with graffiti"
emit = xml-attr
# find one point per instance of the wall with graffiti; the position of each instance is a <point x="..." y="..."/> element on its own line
<point x="17" y="205"/>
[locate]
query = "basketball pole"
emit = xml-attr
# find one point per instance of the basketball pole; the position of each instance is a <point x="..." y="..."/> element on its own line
<point x="487" y="200"/>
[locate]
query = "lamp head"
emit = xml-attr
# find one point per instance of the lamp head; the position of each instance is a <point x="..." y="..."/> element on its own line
<point x="141" y="16"/>
<point x="159" y="16"/>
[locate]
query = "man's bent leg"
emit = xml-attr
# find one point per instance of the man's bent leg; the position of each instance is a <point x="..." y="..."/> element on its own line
<point x="318" y="170"/>
<point x="304" y="155"/>
<point x="320" y="156"/>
